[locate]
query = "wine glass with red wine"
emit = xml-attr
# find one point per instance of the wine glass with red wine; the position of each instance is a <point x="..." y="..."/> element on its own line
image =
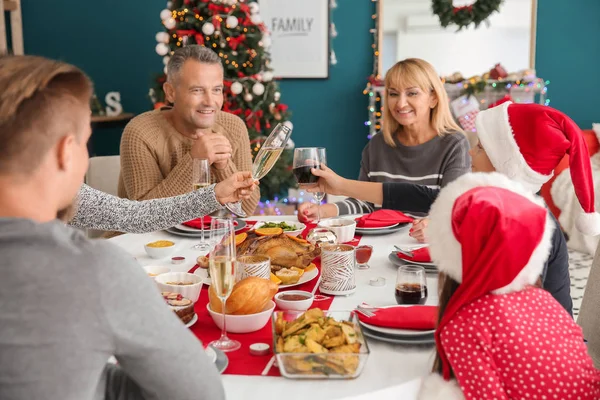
<point x="411" y="285"/>
<point x="306" y="158"/>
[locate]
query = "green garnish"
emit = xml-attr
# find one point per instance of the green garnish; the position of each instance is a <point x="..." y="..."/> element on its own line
<point x="283" y="225"/>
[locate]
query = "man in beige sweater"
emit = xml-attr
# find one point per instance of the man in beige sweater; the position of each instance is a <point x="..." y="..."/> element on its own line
<point x="157" y="147"/>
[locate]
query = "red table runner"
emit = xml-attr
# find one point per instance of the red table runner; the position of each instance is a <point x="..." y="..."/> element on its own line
<point x="241" y="362"/>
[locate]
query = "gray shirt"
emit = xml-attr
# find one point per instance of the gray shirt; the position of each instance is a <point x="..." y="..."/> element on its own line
<point x="102" y="211"/>
<point x="68" y="303"/>
<point x="434" y="163"/>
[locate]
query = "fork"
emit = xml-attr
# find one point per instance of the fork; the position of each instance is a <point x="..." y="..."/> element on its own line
<point x="364" y="311"/>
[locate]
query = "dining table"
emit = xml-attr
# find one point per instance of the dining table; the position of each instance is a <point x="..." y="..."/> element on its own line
<point x="388" y="364"/>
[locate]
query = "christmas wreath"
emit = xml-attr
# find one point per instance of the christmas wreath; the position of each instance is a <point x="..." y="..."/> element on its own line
<point x="464" y="16"/>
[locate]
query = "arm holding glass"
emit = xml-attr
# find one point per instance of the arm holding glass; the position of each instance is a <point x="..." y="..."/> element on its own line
<point x="102" y="211"/>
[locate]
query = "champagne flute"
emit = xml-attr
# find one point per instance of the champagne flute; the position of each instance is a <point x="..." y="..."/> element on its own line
<point x="266" y="158"/>
<point x="200" y="180"/>
<point x="306" y="158"/>
<point x="221" y="264"/>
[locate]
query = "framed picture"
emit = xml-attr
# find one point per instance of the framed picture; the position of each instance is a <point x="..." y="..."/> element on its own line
<point x="300" y="37"/>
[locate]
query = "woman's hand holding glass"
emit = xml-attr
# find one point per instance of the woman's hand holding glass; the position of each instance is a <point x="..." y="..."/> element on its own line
<point x="329" y="182"/>
<point x="237" y="187"/>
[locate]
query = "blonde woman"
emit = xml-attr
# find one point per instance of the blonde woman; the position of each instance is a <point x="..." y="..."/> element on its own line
<point x="420" y="142"/>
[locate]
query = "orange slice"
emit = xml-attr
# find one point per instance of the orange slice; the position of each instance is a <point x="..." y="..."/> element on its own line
<point x="239" y="239"/>
<point x="275" y="278"/>
<point x="268" y="231"/>
<point x="310" y="267"/>
<point x="299" y="270"/>
<point x="298" y="239"/>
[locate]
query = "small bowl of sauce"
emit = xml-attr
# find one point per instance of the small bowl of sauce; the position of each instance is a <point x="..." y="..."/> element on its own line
<point x="296" y="300"/>
<point x="160" y="248"/>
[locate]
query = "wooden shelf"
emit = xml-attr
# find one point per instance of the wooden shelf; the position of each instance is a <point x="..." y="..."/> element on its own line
<point x="10" y="5"/>
<point x="96" y="119"/>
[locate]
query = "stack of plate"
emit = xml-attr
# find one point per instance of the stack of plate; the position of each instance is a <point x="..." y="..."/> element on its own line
<point x="380" y="231"/>
<point x="398" y="336"/>
<point x="186" y="231"/>
<point x="429" y="266"/>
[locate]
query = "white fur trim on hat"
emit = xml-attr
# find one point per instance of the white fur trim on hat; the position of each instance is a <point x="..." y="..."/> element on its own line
<point x="496" y="136"/>
<point x="588" y="223"/>
<point x="434" y="387"/>
<point x="445" y="250"/>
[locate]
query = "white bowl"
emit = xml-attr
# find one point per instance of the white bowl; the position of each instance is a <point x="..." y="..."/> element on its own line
<point x="160" y="252"/>
<point x="295" y="305"/>
<point x="243" y="323"/>
<point x="343" y="228"/>
<point x="192" y="291"/>
<point x="154" y="270"/>
<point x="299" y="227"/>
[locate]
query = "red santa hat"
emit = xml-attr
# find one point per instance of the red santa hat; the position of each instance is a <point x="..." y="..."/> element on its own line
<point x="491" y="235"/>
<point x="527" y="141"/>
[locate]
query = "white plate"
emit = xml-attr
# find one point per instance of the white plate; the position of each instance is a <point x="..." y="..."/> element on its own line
<point x="192" y="321"/>
<point x="380" y="231"/>
<point x="306" y="277"/>
<point x="396" y="340"/>
<point x="378" y="228"/>
<point x="299" y="227"/>
<point x="397" y="332"/>
<point x="211" y="353"/>
<point x="203" y="273"/>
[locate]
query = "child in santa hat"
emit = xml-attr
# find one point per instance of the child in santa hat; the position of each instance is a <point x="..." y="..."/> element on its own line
<point x="498" y="336"/>
<point x="522" y="141"/>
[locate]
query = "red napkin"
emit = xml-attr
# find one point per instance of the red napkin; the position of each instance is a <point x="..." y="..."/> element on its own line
<point x="419" y="255"/>
<point x="198" y="222"/>
<point x="401" y="317"/>
<point x="382" y="218"/>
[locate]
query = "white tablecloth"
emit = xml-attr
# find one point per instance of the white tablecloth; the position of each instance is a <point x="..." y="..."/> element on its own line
<point x="388" y="365"/>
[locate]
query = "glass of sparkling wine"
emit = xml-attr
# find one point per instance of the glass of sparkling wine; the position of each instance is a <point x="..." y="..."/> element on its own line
<point x="200" y="180"/>
<point x="266" y="158"/>
<point x="221" y="264"/>
<point x="306" y="158"/>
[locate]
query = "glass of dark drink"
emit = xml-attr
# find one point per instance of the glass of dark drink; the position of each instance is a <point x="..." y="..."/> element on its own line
<point x="306" y="158"/>
<point x="363" y="255"/>
<point x="411" y="285"/>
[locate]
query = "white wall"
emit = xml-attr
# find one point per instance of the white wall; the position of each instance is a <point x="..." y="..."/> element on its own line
<point x="470" y="51"/>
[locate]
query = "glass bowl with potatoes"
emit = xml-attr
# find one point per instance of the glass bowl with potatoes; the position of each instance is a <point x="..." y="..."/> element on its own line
<point x="319" y="344"/>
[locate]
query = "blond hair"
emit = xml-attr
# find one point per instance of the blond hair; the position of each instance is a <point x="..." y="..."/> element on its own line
<point x="417" y="72"/>
<point x="40" y="101"/>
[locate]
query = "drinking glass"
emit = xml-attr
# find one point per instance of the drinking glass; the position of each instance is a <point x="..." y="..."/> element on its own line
<point x="266" y="158"/>
<point x="200" y="179"/>
<point x="411" y="285"/>
<point x="363" y="255"/>
<point x="306" y="158"/>
<point x="221" y="264"/>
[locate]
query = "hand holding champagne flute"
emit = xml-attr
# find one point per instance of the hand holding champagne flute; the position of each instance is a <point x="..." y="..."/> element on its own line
<point x="221" y="264"/>
<point x="266" y="158"/>
<point x="200" y="180"/>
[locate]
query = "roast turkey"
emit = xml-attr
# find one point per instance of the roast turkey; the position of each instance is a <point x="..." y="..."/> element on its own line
<point x="283" y="250"/>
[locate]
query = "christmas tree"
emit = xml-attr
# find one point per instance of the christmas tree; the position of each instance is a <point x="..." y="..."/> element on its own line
<point x="235" y="31"/>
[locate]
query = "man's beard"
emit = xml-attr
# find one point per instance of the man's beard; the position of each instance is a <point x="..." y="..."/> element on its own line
<point x="66" y="214"/>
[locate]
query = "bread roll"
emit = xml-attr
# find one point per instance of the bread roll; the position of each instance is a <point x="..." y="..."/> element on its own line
<point x="249" y="296"/>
